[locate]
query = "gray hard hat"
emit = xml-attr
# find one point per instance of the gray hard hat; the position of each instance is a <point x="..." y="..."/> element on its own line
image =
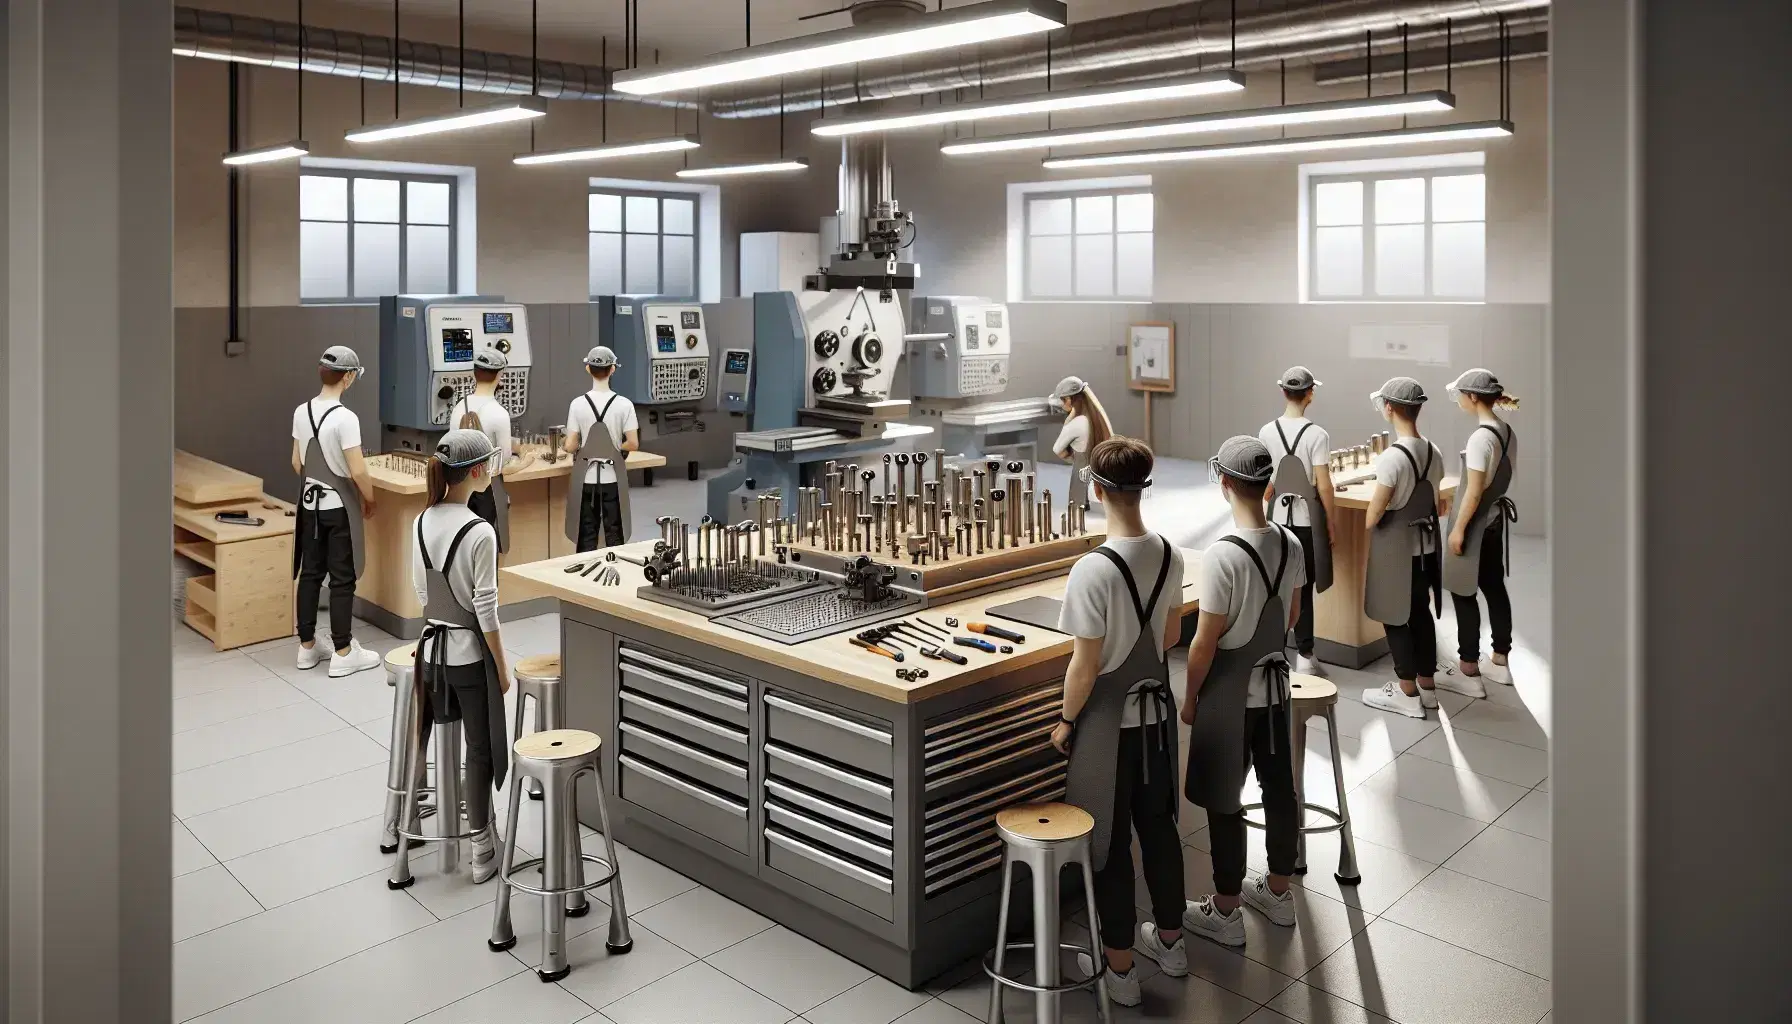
<point x="1477" y="382"/>
<point x="339" y="357"/>
<point x="600" y="357"/>
<point x="1243" y="457"/>
<point x="1070" y="386"/>
<point x="1401" y="391"/>
<point x="460" y="448"/>
<point x="491" y="359"/>
<point x="1297" y="378"/>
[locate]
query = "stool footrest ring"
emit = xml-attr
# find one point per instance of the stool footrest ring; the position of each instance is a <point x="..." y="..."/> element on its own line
<point x="1099" y="959"/>
<point x="456" y="837"/>
<point x="1335" y="821"/>
<point x="609" y="874"/>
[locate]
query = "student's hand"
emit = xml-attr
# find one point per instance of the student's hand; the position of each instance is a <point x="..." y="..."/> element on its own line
<point x="1331" y="533"/>
<point x="503" y="681"/>
<point x="1188" y="711"/>
<point x="368" y="507"/>
<point x="1061" y="738"/>
<point x="1457" y="541"/>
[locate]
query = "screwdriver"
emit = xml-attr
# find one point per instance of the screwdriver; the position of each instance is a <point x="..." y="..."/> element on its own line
<point x="941" y="654"/>
<point x="970" y="641"/>
<point x="996" y="631"/>
<point x="874" y="649"/>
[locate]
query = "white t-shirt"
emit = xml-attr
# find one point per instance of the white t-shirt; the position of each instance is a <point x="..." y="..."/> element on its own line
<point x="1074" y="436"/>
<point x="473" y="577"/>
<point x="1231" y="584"/>
<point x="494" y="419"/>
<point x="1395" y="471"/>
<point x="1484" y="449"/>
<point x="620" y="419"/>
<point x="1097" y="604"/>
<point x="340" y="433"/>
<point x="1314" y="449"/>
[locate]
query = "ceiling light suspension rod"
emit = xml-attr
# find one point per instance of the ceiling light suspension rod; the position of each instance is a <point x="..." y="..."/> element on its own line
<point x="1304" y="144"/>
<point x="1211" y="82"/>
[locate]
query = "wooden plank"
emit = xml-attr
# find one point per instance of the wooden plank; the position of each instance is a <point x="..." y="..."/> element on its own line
<point x="395" y="474"/>
<point x="200" y="481"/>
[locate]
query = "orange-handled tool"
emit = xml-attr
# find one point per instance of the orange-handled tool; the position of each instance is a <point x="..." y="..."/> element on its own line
<point x="996" y="631"/>
<point x="875" y="649"/>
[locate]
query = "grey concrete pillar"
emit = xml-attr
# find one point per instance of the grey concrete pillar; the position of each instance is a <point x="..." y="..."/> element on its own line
<point x="87" y="449"/>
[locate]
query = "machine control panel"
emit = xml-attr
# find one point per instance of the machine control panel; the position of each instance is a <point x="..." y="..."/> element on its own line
<point x="972" y="359"/>
<point x="461" y="332"/>
<point x="678" y="352"/>
<point x="737" y="379"/>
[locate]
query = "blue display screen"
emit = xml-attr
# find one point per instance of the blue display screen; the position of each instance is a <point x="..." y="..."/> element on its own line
<point x="664" y="339"/>
<point x="500" y="323"/>
<point x="738" y="361"/>
<point x="457" y="345"/>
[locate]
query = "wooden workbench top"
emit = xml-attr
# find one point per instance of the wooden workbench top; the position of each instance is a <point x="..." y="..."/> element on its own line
<point x="831" y="659"/>
<point x="1357" y="495"/>
<point x="397" y="481"/>
<point x="200" y="481"/>
<point x="204" y="523"/>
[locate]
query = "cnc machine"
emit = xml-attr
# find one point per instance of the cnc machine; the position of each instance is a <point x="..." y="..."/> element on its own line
<point x="427" y="345"/>
<point x="959" y="354"/>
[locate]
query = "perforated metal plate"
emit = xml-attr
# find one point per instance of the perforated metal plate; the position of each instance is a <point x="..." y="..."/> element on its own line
<point x="711" y="595"/>
<point x="808" y="616"/>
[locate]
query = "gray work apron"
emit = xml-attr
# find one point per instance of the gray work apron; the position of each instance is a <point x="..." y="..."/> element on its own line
<point x="1387" y="581"/>
<point x="1095" y="739"/>
<point x="596" y="446"/>
<point x="443" y="614"/>
<point x="1495" y="511"/>
<point x="1293" y="480"/>
<point x="1079" y="487"/>
<point x="1218" y="752"/>
<point x="470" y="420"/>
<point x="316" y="468"/>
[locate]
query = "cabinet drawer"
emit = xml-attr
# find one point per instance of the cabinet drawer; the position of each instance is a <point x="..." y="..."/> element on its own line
<point x="808" y="728"/>
<point x="828" y="836"/>
<point x="830" y="780"/>
<point x="681" y="668"/>
<point x="720" y="774"/>
<point x="861" y="886"/>
<point x="714" y="737"/>
<point x="830" y="810"/>
<point x="696" y="807"/>
<point x="685" y="695"/>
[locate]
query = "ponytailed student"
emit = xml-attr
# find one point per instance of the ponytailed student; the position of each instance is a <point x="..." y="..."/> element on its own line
<point x="481" y="410"/>
<point x="335" y="496"/>
<point x="601" y="429"/>
<point x="1086" y="425"/>
<point x="1475" y="550"/>
<point x="1119" y="717"/>
<point x="1238" y="700"/>
<point x="1301" y="498"/>
<point x="460" y="655"/>
<point x="1404" y="580"/>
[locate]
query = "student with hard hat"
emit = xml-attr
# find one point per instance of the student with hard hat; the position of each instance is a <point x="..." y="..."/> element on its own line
<point x="1478" y="534"/>
<point x="597" y="514"/>
<point x="1403" y="581"/>
<point x="480" y="409"/>
<point x="460" y="658"/>
<point x="1301" y="498"/>
<point x="335" y="497"/>
<point x="1086" y="425"/>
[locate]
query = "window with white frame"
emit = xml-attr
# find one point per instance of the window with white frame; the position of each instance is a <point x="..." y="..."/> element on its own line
<point x="642" y="243"/>
<point x="1088" y="245"/>
<point x="365" y="234"/>
<point x="1398" y="236"/>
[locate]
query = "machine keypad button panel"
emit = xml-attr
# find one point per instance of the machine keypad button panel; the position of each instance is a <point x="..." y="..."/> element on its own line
<point x="677" y="380"/>
<point x="513" y="393"/>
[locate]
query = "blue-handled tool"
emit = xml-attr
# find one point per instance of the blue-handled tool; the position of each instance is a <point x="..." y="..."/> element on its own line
<point x="970" y="641"/>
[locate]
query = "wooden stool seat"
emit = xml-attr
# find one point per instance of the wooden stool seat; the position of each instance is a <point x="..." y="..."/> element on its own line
<point x="1312" y="692"/>
<point x="557" y="744"/>
<point x="540" y="666"/>
<point x="1045" y="823"/>
<point x="402" y="657"/>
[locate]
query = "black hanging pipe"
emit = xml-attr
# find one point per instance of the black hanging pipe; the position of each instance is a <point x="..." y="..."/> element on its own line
<point x="1449" y="55"/>
<point x="1405" y="60"/>
<point x="301" y="72"/>
<point x="1235" y="34"/>
<point x="748" y="4"/>
<point x="1368" y="62"/>
<point x="603" y="105"/>
<point x="231" y="189"/>
<point x="461" y="88"/>
<point x="394" y="60"/>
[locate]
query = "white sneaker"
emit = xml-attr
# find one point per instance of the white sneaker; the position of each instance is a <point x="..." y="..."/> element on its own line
<point x="1279" y="909"/>
<point x="1122" y="988"/>
<point x="1206" y="921"/>
<point x="358" y="659"/>
<point x="1456" y="681"/>
<point x="313" y="656"/>
<point x="485" y="855"/>
<point x="1389" y="697"/>
<point x="1172" y="959"/>
<point x="1309" y="666"/>
<point x="1428" y="696"/>
<point x="1501" y="674"/>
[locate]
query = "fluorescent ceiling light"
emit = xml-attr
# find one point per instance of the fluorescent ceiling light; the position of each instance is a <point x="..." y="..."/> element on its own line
<point x="266" y="62"/>
<point x="477" y="117"/>
<point x="1359" y="140"/>
<point x="268" y="154"/>
<point x="1041" y="103"/>
<point x="734" y="170"/>
<point x="610" y="152"/>
<point x="1221" y="121"/>
<point x="962" y="26"/>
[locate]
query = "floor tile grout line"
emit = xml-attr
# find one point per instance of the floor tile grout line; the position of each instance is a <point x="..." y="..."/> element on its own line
<point x="1466" y="949"/>
<point x="277" y="746"/>
<point x="251" y="714"/>
<point x="278" y="792"/>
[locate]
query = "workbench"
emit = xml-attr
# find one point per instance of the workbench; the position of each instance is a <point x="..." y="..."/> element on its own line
<point x="385" y="595"/>
<point x="248" y="597"/>
<point x="805" y="780"/>
<point x="1343" y="633"/>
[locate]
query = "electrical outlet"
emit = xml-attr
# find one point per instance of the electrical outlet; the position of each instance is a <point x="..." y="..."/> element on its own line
<point x="1413" y="343"/>
<point x="1120" y="350"/>
<point x="235" y="347"/>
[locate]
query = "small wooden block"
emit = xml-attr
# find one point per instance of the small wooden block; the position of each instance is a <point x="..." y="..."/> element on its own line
<point x="557" y="744"/>
<point x="1313" y="691"/>
<point x="1045" y="823"/>
<point x="540" y="666"/>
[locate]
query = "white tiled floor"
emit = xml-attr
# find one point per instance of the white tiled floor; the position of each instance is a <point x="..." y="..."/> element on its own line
<point x="282" y="915"/>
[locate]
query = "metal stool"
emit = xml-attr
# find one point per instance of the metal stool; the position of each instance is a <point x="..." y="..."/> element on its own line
<point x="1315" y="696"/>
<point x="539" y="679"/>
<point x="1046" y="838"/>
<point x="448" y="782"/>
<point x="556" y="759"/>
<point x="399" y="669"/>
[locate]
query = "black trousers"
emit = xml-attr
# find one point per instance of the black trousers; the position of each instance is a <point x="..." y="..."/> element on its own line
<point x="1490" y="577"/>
<point x="326" y="549"/>
<point x="1150" y="807"/>
<point x="467" y="698"/>
<point x="1414" y="644"/>
<point x="601" y="504"/>
<point x="1303" y="626"/>
<point x="1264" y="729"/>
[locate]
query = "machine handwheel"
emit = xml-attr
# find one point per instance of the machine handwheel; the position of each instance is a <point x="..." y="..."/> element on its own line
<point x="826" y="344"/>
<point x="824" y="380"/>
<point x="868" y="349"/>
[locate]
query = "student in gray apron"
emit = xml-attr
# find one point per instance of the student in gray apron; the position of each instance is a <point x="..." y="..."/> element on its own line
<point x="332" y="504"/>
<point x="1301" y="497"/>
<point x="1086" y="425"/>
<point x="1238" y="701"/>
<point x="481" y="410"/>
<point x="597" y="513"/>
<point x="1119" y="717"/>
<point x="460" y="656"/>
<point x="1477" y="540"/>
<point x="1403" y="580"/>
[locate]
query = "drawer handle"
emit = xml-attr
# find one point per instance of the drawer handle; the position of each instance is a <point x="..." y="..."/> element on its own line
<point x="738" y="810"/>
<point x="971" y="872"/>
<point x="828" y="860"/>
<point x="695" y="722"/>
<point x="739" y="771"/>
<point x="1053" y="691"/>
<point x="829" y="771"/>
<point x="1032" y="736"/>
<point x="983" y="732"/>
<point x="844" y="724"/>
<point x="941" y="783"/>
<point x="630" y="654"/>
<point x="957" y="804"/>
<point x="796" y="822"/>
<point x="828" y="808"/>
<point x="684" y="687"/>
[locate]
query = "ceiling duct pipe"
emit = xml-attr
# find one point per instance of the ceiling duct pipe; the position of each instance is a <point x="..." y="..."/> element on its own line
<point x="247" y="40"/>
<point x="1113" y="49"/>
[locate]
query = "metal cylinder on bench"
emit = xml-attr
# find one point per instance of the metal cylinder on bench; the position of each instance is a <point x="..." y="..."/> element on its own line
<point x="1046" y="838"/>
<point x="1313" y="695"/>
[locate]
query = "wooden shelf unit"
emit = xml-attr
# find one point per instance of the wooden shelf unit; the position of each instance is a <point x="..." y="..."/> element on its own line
<point x="248" y="596"/>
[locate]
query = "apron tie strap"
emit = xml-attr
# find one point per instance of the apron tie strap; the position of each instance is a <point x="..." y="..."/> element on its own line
<point x="1506" y="515"/>
<point x="1277" y="676"/>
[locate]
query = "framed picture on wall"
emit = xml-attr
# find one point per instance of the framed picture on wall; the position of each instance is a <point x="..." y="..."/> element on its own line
<point x="1151" y="357"/>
